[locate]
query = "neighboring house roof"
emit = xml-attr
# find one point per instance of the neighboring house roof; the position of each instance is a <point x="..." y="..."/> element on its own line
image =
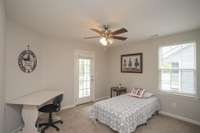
<point x="174" y="50"/>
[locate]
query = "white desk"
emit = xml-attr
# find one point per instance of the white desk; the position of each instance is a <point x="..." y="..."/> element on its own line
<point x="30" y="103"/>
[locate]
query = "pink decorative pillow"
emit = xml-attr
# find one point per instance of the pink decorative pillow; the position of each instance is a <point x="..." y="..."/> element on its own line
<point x="137" y="92"/>
<point x="134" y="91"/>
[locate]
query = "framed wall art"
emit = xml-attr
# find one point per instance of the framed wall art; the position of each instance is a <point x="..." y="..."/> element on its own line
<point x="132" y="63"/>
<point x="27" y="60"/>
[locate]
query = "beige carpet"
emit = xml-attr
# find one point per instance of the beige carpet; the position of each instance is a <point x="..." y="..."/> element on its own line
<point x="77" y="120"/>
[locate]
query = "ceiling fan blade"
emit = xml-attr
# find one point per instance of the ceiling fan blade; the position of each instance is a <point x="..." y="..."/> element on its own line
<point x="97" y="31"/>
<point x="120" y="31"/>
<point x="92" y="37"/>
<point x="119" y="37"/>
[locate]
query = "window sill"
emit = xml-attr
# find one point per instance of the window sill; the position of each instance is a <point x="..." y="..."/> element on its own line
<point x="179" y="94"/>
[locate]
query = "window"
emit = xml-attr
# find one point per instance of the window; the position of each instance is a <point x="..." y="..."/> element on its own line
<point x="84" y="77"/>
<point x="177" y="68"/>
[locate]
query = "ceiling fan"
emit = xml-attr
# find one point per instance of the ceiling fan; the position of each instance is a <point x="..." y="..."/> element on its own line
<point x="106" y="35"/>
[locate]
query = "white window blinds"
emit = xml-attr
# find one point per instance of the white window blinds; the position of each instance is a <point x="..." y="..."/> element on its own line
<point x="177" y="66"/>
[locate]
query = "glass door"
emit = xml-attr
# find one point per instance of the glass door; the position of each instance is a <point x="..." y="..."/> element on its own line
<point x="85" y="79"/>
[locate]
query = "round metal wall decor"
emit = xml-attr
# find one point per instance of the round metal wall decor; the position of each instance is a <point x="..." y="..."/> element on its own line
<point x="27" y="61"/>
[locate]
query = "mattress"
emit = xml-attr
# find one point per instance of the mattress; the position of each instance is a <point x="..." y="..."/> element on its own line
<point x="124" y="113"/>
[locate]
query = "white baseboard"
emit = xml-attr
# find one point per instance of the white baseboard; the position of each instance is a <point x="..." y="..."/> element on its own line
<point x="102" y="98"/>
<point x="180" y="118"/>
<point x="68" y="107"/>
<point x="73" y="105"/>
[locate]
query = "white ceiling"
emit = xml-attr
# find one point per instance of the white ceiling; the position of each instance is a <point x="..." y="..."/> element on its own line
<point x="71" y="19"/>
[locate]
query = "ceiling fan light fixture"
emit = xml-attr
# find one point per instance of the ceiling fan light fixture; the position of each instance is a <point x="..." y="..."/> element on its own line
<point x="106" y="36"/>
<point x="110" y="40"/>
<point x="103" y="41"/>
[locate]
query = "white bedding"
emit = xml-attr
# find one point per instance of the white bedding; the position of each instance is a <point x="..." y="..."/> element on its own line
<point x="124" y="113"/>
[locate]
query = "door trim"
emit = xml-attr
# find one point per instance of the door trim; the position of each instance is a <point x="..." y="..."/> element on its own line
<point x="77" y="54"/>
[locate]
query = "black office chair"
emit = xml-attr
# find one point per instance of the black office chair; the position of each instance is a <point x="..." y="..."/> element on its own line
<point x="51" y="108"/>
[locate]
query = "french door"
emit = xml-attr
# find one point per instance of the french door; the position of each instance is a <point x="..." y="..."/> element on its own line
<point x="84" y="77"/>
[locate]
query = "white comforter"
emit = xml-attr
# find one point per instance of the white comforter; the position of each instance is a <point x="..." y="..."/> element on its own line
<point x="124" y="113"/>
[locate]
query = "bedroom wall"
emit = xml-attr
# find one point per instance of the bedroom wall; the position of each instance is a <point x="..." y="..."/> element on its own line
<point x="2" y="44"/>
<point x="18" y="83"/>
<point x="188" y="107"/>
<point x="54" y="70"/>
<point x="59" y="67"/>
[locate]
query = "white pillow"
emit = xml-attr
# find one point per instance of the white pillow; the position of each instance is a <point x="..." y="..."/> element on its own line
<point x="147" y="94"/>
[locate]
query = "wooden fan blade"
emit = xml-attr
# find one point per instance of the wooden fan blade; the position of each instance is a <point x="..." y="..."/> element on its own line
<point x="97" y="31"/>
<point x="119" y="37"/>
<point x="92" y="37"/>
<point x="120" y="31"/>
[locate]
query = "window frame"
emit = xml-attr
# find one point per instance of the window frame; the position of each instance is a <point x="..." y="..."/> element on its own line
<point x="195" y="71"/>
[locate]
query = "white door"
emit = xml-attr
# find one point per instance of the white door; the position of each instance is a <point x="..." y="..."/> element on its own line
<point x="84" y="77"/>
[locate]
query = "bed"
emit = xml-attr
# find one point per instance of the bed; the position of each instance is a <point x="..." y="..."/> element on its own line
<point x="124" y="113"/>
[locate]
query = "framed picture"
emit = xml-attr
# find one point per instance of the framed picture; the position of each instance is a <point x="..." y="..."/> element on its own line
<point x="131" y="63"/>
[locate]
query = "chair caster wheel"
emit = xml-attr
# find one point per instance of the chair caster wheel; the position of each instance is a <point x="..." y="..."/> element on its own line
<point x="57" y="129"/>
